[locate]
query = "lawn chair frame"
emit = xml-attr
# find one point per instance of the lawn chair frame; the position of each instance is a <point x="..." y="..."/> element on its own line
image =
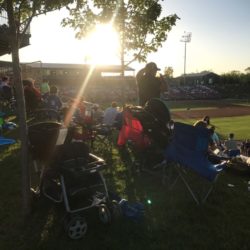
<point x="188" y="151"/>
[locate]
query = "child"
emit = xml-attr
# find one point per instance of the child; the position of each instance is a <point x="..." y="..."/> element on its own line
<point x="53" y="101"/>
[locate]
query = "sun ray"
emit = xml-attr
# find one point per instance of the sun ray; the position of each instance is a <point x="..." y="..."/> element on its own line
<point x="73" y="107"/>
<point x="103" y="45"/>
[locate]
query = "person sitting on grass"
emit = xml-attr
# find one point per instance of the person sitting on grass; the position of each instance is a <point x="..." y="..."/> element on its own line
<point x="231" y="147"/>
<point x="215" y="138"/>
<point x="230" y="144"/>
<point x="206" y="119"/>
<point x="245" y="147"/>
<point x="200" y="124"/>
<point x="213" y="155"/>
<point x="204" y="122"/>
<point x="212" y="146"/>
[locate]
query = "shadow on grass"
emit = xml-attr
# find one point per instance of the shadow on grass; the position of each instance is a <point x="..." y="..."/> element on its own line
<point x="172" y="220"/>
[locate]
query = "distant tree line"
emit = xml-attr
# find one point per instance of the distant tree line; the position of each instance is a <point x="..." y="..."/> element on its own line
<point x="235" y="84"/>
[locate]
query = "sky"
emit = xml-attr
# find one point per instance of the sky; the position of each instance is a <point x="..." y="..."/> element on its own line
<point x="219" y="43"/>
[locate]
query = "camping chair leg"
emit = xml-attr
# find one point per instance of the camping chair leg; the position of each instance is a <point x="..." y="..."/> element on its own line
<point x="173" y="184"/>
<point x="210" y="190"/>
<point x="168" y="176"/>
<point x="164" y="173"/>
<point x="207" y="194"/>
<point x="189" y="188"/>
<point x="198" y="201"/>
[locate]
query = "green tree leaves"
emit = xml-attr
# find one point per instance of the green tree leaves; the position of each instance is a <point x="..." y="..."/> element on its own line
<point x="141" y="27"/>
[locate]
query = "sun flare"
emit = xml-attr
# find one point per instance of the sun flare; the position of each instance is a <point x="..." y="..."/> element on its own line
<point x="103" y="45"/>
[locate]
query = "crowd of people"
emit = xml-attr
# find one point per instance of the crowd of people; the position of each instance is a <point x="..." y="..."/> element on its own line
<point x="223" y="149"/>
<point x="45" y="96"/>
<point x="194" y="92"/>
<point x="149" y="86"/>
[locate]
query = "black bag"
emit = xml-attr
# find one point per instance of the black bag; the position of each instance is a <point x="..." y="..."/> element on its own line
<point x="42" y="139"/>
<point x="154" y="118"/>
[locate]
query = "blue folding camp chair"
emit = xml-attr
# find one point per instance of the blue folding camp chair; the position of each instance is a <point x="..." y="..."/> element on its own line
<point x="189" y="150"/>
<point x="5" y="141"/>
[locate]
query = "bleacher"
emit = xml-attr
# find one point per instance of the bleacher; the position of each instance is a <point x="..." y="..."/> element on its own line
<point x="191" y="93"/>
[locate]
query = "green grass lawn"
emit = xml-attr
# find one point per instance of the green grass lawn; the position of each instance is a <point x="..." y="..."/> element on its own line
<point x="171" y="221"/>
<point x="194" y="104"/>
<point x="239" y="125"/>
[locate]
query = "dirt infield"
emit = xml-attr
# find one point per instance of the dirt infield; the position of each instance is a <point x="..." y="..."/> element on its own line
<point x="221" y="111"/>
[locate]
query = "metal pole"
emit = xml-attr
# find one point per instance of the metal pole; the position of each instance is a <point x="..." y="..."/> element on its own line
<point x="186" y="38"/>
<point x="122" y="33"/>
<point x="185" y="50"/>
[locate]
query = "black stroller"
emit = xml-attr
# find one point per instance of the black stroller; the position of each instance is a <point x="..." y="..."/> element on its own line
<point x="147" y="132"/>
<point x="69" y="174"/>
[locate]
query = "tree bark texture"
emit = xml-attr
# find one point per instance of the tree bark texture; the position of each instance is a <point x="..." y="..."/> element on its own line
<point x="21" y="110"/>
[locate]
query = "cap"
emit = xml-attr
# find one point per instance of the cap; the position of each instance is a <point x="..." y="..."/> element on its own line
<point x="151" y="66"/>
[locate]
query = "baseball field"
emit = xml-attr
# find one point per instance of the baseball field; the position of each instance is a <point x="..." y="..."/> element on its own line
<point x="228" y="116"/>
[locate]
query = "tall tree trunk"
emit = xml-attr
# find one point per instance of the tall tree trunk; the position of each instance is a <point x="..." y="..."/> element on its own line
<point x="122" y="44"/>
<point x="14" y="42"/>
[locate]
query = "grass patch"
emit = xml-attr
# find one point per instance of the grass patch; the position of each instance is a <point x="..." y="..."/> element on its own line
<point x="239" y="125"/>
<point x="204" y="104"/>
<point x="195" y="104"/>
<point x="172" y="221"/>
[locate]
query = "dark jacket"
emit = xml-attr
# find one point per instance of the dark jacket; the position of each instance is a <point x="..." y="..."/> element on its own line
<point x="148" y="87"/>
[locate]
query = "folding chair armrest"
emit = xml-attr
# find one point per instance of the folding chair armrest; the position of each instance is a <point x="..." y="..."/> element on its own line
<point x="221" y="166"/>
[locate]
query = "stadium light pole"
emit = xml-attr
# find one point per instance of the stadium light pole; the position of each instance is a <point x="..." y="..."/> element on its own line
<point x="186" y="38"/>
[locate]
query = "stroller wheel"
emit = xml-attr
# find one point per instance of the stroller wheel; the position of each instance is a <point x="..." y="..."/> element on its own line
<point x="76" y="227"/>
<point x="115" y="209"/>
<point x="104" y="214"/>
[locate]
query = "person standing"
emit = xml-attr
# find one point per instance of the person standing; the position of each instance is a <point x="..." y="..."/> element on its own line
<point x="45" y="89"/>
<point x="149" y="86"/>
<point x="6" y="89"/>
<point x="32" y="95"/>
<point x="53" y="101"/>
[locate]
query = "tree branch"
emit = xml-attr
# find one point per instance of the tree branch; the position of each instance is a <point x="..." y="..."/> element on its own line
<point x="132" y="60"/>
<point x="27" y="22"/>
<point x="141" y="49"/>
<point x="2" y="5"/>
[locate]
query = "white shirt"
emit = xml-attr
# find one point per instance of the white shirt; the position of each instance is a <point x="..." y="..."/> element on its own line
<point x="231" y="144"/>
<point x="109" y="116"/>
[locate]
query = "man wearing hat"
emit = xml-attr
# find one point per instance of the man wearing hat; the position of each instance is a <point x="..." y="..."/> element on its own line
<point x="149" y="86"/>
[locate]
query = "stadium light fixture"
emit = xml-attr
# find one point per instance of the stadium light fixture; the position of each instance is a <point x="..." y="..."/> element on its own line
<point x="186" y="38"/>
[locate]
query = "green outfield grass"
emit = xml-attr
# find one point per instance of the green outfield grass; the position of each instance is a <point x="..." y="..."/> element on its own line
<point x="204" y="104"/>
<point x="194" y="104"/>
<point x="239" y="125"/>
